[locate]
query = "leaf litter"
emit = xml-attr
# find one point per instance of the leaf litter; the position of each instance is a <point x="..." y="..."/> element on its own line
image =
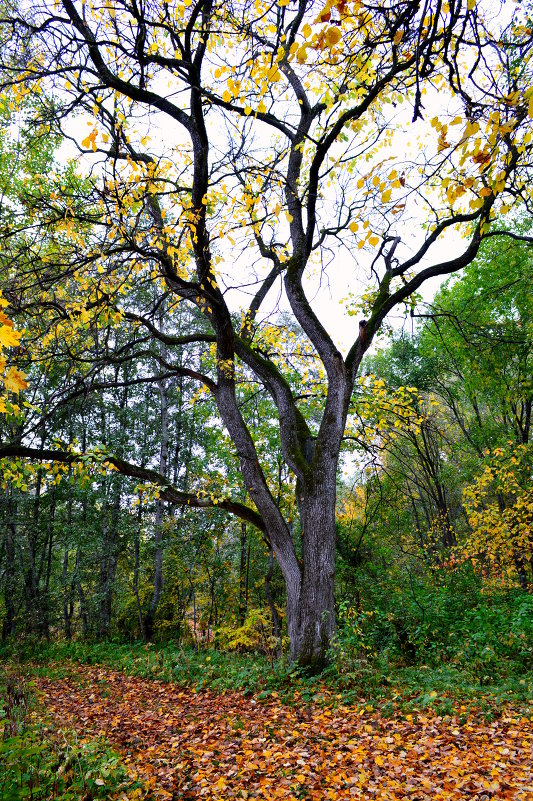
<point x="204" y="745"/>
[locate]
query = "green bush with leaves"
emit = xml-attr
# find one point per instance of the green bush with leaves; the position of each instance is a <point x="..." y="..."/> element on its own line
<point x="40" y="766"/>
<point x="39" y="762"/>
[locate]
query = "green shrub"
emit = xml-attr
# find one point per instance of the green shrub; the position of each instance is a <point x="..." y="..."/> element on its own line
<point x="36" y="765"/>
<point x="41" y="763"/>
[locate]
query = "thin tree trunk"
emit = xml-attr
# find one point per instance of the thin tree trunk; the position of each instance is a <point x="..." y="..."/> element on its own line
<point x="66" y="585"/>
<point x="8" y="625"/>
<point x="276" y="620"/>
<point x="243" y="575"/>
<point x="159" y="515"/>
<point x="108" y="566"/>
<point x="81" y="596"/>
<point x="45" y="596"/>
<point x="136" y="571"/>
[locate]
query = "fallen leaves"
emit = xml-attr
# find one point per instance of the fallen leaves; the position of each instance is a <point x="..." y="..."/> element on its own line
<point x="187" y="745"/>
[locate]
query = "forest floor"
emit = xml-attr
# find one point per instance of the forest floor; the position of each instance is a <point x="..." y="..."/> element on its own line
<point x="186" y="744"/>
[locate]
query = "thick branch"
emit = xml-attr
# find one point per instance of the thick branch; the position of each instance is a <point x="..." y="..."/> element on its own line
<point x="169" y="492"/>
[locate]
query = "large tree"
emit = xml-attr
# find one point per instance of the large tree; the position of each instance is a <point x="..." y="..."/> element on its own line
<point x="267" y="147"/>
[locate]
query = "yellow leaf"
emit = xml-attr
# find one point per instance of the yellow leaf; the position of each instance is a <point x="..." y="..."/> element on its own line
<point x="373" y="240"/>
<point x="471" y="128"/>
<point x="385" y="197"/>
<point x="9" y="338"/>
<point x="274" y="75"/>
<point x="530" y="107"/>
<point x="301" y="55"/>
<point x="333" y="35"/>
<point x="14" y="380"/>
<point x="354" y="227"/>
<point x="89" y="140"/>
<point x="398" y="36"/>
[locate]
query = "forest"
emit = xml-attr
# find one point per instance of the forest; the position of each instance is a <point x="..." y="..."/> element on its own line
<point x="266" y="384"/>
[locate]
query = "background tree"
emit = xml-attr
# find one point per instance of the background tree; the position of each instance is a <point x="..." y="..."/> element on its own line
<point x="284" y="138"/>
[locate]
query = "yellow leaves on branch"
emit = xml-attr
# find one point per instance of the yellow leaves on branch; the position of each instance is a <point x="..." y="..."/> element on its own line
<point x="14" y="379"/>
<point x="499" y="507"/>
<point x="90" y="141"/>
<point x="389" y="412"/>
<point x="9" y="338"/>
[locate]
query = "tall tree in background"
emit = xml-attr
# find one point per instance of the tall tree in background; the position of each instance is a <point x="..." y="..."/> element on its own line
<point x="240" y="145"/>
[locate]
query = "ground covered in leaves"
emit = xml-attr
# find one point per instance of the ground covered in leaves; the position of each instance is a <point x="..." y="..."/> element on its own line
<point x="191" y="745"/>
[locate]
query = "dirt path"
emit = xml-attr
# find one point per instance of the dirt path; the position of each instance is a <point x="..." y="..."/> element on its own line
<point x="203" y="745"/>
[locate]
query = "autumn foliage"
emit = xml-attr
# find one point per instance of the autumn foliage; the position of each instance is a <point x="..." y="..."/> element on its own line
<point x="12" y="379"/>
<point x="203" y="745"/>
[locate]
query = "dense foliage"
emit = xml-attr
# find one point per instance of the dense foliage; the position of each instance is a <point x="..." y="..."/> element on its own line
<point x="169" y="168"/>
<point x="434" y="547"/>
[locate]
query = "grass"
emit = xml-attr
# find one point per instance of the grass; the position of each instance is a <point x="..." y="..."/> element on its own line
<point x="394" y="687"/>
<point x="40" y="762"/>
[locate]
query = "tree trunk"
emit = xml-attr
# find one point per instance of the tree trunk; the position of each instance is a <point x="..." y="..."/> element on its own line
<point x="8" y="626"/>
<point x="159" y="517"/>
<point x="136" y="571"/>
<point x="45" y="595"/>
<point x="276" y="620"/>
<point x="160" y="505"/>
<point x="81" y="596"/>
<point x="311" y="617"/>
<point x="67" y="586"/>
<point x="108" y="566"/>
<point x="243" y="574"/>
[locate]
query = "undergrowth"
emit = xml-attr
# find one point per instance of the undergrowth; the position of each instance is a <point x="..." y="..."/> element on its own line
<point x="370" y="681"/>
<point x="40" y="762"/>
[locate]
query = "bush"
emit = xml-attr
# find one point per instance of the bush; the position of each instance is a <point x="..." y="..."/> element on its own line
<point x="40" y="763"/>
<point x="255" y="634"/>
<point x="450" y="618"/>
